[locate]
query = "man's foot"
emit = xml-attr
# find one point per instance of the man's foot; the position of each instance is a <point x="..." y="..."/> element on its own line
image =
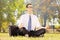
<point x="42" y="35"/>
<point x="26" y="35"/>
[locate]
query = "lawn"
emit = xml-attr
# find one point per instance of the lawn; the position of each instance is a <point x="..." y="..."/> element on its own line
<point x="48" y="36"/>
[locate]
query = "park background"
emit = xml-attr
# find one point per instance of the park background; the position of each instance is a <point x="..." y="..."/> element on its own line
<point x="47" y="11"/>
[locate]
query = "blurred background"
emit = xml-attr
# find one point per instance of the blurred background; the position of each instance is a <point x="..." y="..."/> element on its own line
<point x="47" y="11"/>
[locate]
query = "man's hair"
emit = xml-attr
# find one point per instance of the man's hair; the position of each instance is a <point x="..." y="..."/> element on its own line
<point x="28" y="5"/>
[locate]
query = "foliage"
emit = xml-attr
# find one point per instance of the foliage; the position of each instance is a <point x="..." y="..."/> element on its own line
<point x="7" y="11"/>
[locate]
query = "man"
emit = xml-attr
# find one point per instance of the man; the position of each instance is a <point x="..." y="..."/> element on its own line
<point x="29" y="25"/>
<point x="30" y="22"/>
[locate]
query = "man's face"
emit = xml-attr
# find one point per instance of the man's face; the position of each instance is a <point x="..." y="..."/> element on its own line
<point x="29" y="8"/>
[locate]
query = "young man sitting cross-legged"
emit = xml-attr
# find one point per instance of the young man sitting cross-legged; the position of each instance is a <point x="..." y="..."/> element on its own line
<point x="29" y="24"/>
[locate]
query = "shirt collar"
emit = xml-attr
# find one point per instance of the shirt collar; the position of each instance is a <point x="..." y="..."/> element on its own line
<point x="28" y="14"/>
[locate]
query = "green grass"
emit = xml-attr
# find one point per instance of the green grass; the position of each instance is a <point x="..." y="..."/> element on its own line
<point x="5" y="36"/>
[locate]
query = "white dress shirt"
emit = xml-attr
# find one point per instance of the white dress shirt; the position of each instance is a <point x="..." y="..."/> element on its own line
<point x="24" y="20"/>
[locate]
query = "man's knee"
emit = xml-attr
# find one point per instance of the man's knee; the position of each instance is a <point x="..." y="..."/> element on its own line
<point x="13" y="30"/>
<point x="43" y="30"/>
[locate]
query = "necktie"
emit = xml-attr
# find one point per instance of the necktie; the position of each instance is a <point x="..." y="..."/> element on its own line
<point x="29" y="23"/>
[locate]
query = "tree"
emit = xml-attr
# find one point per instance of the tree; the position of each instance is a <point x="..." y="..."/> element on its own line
<point x="42" y="8"/>
<point x="7" y="8"/>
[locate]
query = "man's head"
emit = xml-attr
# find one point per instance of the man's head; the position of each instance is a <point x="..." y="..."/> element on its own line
<point x="29" y="7"/>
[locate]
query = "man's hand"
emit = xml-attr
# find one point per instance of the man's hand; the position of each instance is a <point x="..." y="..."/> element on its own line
<point x="21" y="25"/>
<point x="37" y="28"/>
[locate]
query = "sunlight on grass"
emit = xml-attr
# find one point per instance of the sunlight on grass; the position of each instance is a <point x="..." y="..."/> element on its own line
<point x="5" y="36"/>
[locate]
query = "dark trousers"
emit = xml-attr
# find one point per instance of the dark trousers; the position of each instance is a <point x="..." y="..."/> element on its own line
<point x="15" y="31"/>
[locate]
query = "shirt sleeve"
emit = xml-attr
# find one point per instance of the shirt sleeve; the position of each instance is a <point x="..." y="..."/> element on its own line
<point x="20" y="21"/>
<point x="38" y="25"/>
